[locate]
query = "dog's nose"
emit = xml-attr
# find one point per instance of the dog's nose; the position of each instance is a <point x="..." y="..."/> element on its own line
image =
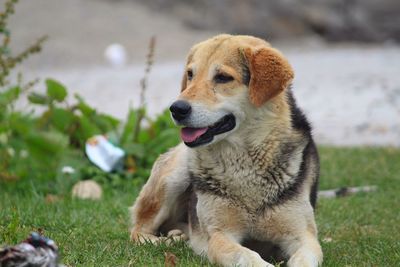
<point x="180" y="110"/>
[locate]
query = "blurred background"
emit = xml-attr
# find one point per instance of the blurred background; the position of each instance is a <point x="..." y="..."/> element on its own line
<point x="346" y="54"/>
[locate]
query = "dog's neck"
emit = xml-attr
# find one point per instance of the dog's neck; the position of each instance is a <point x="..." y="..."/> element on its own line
<point x="266" y="148"/>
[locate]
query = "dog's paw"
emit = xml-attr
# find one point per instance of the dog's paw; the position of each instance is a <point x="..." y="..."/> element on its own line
<point x="303" y="259"/>
<point x="175" y="236"/>
<point x="143" y="238"/>
<point x="253" y="259"/>
<point x="177" y="233"/>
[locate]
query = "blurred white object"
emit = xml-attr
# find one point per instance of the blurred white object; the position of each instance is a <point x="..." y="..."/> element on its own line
<point x="11" y="151"/>
<point x="68" y="170"/>
<point x="87" y="189"/>
<point x="116" y="55"/>
<point x="3" y="138"/>
<point x="102" y="153"/>
<point x="23" y="153"/>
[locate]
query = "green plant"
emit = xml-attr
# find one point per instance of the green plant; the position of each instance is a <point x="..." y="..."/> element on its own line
<point x="144" y="144"/>
<point x="78" y="121"/>
<point x="156" y="138"/>
<point x="12" y="123"/>
<point x="47" y="139"/>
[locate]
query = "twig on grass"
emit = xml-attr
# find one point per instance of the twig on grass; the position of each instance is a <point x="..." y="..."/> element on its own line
<point x="346" y="191"/>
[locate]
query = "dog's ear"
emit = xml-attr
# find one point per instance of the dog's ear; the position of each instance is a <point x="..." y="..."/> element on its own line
<point x="270" y="73"/>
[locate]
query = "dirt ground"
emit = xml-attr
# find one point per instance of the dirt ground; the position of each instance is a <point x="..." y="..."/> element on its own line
<point x="350" y="92"/>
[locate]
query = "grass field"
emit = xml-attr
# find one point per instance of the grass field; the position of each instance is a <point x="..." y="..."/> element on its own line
<point x="359" y="230"/>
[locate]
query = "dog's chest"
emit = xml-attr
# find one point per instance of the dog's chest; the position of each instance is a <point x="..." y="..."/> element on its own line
<point x="251" y="178"/>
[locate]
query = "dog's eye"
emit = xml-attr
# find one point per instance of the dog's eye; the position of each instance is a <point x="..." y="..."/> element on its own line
<point x="223" y="78"/>
<point x="189" y="75"/>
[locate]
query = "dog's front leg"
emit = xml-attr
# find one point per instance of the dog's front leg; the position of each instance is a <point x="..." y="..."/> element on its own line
<point x="225" y="250"/>
<point x="308" y="252"/>
<point x="160" y="200"/>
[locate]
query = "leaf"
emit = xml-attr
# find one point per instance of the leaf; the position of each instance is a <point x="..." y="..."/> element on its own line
<point x="37" y="98"/>
<point x="145" y="136"/>
<point x="5" y="176"/>
<point x="61" y="119"/>
<point x="46" y="144"/>
<point x="170" y="259"/>
<point x="56" y="90"/>
<point x="20" y="123"/>
<point x="44" y="119"/>
<point x="112" y="121"/>
<point x="9" y="95"/>
<point x="162" y="122"/>
<point x="84" y="107"/>
<point x="137" y="150"/>
<point x="130" y="165"/>
<point x="166" y="139"/>
<point x="105" y="122"/>
<point x="87" y="129"/>
<point x="160" y="144"/>
<point x="50" y="198"/>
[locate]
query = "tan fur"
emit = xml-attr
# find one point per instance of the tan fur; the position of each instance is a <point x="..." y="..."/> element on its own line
<point x="153" y="193"/>
<point x="240" y="167"/>
<point x="156" y="194"/>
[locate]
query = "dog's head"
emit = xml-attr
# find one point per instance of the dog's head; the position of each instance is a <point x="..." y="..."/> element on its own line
<point x="224" y="77"/>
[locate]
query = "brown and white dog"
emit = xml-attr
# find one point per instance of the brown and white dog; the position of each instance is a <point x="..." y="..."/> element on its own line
<point x="242" y="185"/>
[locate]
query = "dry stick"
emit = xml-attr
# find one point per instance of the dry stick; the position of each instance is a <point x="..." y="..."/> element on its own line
<point x="143" y="85"/>
<point x="34" y="48"/>
<point x="345" y="191"/>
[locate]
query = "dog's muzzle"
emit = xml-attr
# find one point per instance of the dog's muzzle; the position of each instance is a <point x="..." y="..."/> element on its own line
<point x="194" y="137"/>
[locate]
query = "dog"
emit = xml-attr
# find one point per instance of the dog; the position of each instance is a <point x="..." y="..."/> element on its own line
<point x="243" y="184"/>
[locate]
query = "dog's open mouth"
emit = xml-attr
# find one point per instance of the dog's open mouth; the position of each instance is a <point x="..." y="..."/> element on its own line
<point x="193" y="137"/>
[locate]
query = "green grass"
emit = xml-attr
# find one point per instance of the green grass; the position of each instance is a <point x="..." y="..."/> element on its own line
<point x="364" y="228"/>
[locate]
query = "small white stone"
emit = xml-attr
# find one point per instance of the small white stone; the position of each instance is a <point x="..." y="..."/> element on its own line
<point x="327" y="239"/>
<point x="87" y="189"/>
<point x="68" y="170"/>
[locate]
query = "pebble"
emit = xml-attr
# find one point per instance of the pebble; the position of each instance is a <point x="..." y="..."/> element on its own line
<point x="87" y="189"/>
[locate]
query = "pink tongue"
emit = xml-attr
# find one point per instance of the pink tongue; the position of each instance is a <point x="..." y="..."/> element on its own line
<point x="188" y="134"/>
